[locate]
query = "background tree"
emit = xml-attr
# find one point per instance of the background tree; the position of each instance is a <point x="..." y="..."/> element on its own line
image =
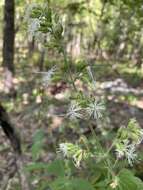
<point x="9" y="35"/>
<point x="8" y="43"/>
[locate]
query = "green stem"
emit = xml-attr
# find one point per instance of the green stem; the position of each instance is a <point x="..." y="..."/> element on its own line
<point x="116" y="161"/>
<point x="107" y="162"/>
<point x="68" y="67"/>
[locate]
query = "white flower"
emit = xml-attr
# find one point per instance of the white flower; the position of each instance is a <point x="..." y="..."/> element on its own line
<point x="47" y="76"/>
<point x="131" y="154"/>
<point x="127" y="150"/>
<point x="120" y="153"/>
<point x="74" y="111"/>
<point x="63" y="149"/>
<point x="95" y="109"/>
<point x="33" y="26"/>
<point x="121" y="148"/>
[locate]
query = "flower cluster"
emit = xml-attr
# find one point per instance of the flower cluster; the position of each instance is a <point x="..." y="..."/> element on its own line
<point x="127" y="150"/>
<point x="127" y="141"/>
<point x="93" y="110"/>
<point x="44" y="25"/>
<point x="74" y="152"/>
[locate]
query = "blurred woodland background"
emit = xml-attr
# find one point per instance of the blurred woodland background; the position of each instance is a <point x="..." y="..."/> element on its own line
<point x="106" y="34"/>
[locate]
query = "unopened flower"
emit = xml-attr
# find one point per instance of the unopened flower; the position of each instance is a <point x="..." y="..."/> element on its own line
<point x="77" y="157"/>
<point x="95" y="109"/>
<point x="135" y="132"/>
<point x="74" y="111"/>
<point x="115" y="183"/>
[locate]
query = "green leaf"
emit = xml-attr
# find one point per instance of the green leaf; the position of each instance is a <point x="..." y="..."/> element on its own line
<point x="54" y="168"/>
<point x="36" y="166"/>
<point x="74" y="184"/>
<point x="61" y="184"/>
<point x="37" y="144"/>
<point x="57" y="168"/>
<point x="81" y="184"/>
<point x="127" y="181"/>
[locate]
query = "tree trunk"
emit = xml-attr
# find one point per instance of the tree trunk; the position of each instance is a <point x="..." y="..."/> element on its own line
<point x="9" y="35"/>
<point x="10" y="132"/>
<point x="42" y="59"/>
